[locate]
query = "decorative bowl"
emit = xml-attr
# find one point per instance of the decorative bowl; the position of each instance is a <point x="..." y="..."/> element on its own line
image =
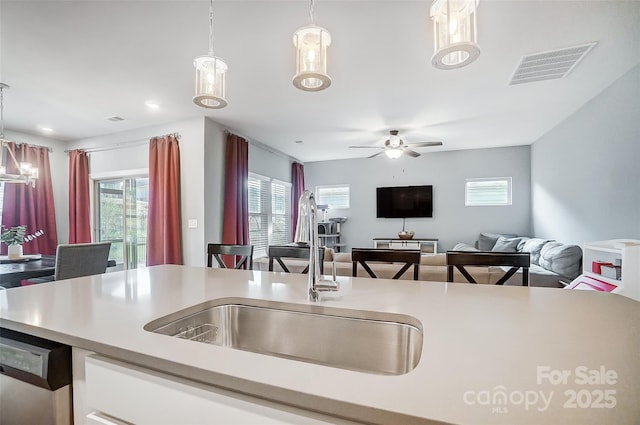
<point x="405" y="235"/>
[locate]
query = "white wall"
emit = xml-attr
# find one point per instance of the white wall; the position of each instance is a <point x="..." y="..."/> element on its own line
<point x="452" y="222"/>
<point x="192" y="179"/>
<point x="59" y="163"/>
<point x="586" y="172"/>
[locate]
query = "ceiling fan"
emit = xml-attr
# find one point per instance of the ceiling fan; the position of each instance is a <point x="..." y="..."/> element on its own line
<point x="394" y="147"/>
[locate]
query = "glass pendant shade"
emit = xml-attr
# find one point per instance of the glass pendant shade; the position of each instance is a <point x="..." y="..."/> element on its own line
<point x="311" y="44"/>
<point x="454" y="33"/>
<point x="210" y="82"/>
<point x="393" y="153"/>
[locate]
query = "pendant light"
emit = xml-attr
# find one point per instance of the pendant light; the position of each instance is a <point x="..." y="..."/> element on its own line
<point x="454" y="33"/>
<point x="25" y="172"/>
<point x="311" y="42"/>
<point x="210" y="75"/>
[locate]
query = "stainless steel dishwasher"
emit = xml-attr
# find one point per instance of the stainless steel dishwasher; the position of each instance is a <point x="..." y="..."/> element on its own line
<point x="35" y="380"/>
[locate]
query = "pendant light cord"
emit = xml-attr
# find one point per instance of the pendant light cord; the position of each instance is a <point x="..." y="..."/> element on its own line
<point x="311" y="17"/>
<point x="211" y="28"/>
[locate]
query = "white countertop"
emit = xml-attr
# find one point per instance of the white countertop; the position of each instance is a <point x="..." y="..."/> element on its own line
<point x="479" y="341"/>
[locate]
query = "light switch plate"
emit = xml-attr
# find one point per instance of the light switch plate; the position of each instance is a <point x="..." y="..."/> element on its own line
<point x="192" y="223"/>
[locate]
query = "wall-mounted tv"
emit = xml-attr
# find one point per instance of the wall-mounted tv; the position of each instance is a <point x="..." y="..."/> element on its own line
<point x="404" y="201"/>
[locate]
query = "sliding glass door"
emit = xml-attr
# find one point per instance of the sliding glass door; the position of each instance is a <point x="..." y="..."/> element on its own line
<point x="121" y="217"/>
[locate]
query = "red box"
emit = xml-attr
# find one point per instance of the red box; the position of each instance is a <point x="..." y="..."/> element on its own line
<point x="596" y="266"/>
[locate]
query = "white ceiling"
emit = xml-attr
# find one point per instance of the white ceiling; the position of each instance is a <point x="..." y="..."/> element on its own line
<point x="72" y="64"/>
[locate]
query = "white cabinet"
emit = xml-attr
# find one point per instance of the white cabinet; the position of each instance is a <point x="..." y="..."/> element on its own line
<point x="622" y="252"/>
<point x="118" y="392"/>
<point x="427" y="246"/>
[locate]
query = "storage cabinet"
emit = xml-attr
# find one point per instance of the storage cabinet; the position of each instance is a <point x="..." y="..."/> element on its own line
<point x="599" y="263"/>
<point x="426" y="245"/>
<point x="119" y="393"/>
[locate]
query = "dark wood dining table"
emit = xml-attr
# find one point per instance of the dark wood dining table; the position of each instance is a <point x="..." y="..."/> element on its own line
<point x="11" y="273"/>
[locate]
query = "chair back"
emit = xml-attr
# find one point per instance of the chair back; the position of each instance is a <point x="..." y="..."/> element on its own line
<point x="245" y="252"/>
<point x="514" y="260"/>
<point x="278" y="252"/>
<point x="408" y="257"/>
<point x="81" y="259"/>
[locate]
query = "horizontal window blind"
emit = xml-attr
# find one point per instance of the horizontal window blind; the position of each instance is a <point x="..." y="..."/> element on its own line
<point x="269" y="213"/>
<point x="336" y="196"/>
<point x="493" y="191"/>
<point x="280" y="213"/>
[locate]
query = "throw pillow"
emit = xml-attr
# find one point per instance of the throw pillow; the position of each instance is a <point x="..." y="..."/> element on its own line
<point x="486" y="241"/>
<point x="533" y="247"/>
<point x="506" y="244"/>
<point x="465" y="247"/>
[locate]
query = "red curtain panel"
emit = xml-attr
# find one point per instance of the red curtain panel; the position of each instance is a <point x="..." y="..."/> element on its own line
<point x="164" y="238"/>
<point x="297" y="189"/>
<point x="236" y="194"/>
<point x="79" y="213"/>
<point x="31" y="206"/>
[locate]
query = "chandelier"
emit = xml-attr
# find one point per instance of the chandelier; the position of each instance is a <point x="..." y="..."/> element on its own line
<point x="454" y="33"/>
<point x="210" y="75"/>
<point x="311" y="42"/>
<point x="25" y="172"/>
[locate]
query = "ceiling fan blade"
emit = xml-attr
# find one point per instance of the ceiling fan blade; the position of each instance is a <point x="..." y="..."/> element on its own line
<point x="375" y="154"/>
<point x="411" y="153"/>
<point x="366" y="147"/>
<point x="424" y="144"/>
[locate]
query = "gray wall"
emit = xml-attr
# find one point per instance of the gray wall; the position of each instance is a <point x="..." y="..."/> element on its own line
<point x="585" y="173"/>
<point x="452" y="222"/>
<point x="269" y="162"/>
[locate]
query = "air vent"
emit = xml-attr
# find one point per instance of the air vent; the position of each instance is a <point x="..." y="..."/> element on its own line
<point x="116" y="118"/>
<point x="549" y="65"/>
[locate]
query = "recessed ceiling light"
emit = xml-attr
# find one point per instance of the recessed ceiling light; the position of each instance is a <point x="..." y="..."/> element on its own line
<point x="45" y="129"/>
<point x="151" y="105"/>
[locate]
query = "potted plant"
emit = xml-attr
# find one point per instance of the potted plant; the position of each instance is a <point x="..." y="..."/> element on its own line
<point x="14" y="237"/>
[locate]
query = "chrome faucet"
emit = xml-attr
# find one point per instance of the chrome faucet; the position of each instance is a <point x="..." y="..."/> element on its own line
<point x="307" y="232"/>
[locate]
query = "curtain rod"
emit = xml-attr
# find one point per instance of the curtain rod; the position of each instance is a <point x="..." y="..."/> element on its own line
<point x="265" y="147"/>
<point x="123" y="145"/>
<point x="29" y="145"/>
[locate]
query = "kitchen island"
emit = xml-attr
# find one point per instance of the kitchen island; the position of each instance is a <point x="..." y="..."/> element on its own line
<point x="490" y="354"/>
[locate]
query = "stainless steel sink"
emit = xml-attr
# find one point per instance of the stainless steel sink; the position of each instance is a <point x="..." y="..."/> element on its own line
<point x="366" y="341"/>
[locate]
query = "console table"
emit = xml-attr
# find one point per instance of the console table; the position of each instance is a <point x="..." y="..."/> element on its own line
<point x="426" y="245"/>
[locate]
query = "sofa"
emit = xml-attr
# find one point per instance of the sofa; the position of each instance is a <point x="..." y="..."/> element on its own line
<point x="434" y="267"/>
<point x="553" y="264"/>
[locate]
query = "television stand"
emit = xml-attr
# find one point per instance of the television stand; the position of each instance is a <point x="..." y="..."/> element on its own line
<point x="425" y="245"/>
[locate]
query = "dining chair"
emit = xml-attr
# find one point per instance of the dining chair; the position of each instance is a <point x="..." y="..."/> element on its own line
<point x="513" y="260"/>
<point x="245" y="252"/>
<point x="408" y="257"/>
<point x="278" y="252"/>
<point x="81" y="259"/>
<point x="77" y="260"/>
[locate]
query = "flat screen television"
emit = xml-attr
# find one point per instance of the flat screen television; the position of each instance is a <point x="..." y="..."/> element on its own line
<point x="404" y="201"/>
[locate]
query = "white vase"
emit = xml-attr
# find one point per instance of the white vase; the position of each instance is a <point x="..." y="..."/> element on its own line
<point x="14" y="252"/>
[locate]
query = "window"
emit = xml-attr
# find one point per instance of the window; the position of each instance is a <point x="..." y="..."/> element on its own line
<point x="269" y="213"/>
<point x="492" y="191"/>
<point x="336" y="196"/>
<point x="121" y="217"/>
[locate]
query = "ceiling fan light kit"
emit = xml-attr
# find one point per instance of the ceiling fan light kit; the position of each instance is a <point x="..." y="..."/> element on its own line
<point x="311" y="42"/>
<point x="210" y="75"/>
<point x="393" y="153"/>
<point x="394" y="147"/>
<point x="454" y="33"/>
